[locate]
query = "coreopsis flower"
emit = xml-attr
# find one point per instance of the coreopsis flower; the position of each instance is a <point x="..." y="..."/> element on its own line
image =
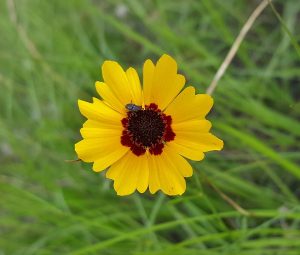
<point x="144" y="134"/>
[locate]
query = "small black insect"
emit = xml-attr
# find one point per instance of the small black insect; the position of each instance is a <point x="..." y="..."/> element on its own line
<point x="133" y="107"/>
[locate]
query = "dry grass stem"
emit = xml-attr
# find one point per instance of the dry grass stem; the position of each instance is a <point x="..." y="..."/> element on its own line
<point x="235" y="46"/>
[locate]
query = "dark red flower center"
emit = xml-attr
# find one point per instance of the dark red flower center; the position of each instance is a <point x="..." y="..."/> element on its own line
<point x="147" y="129"/>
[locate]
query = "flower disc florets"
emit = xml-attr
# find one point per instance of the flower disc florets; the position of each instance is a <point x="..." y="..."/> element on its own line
<point x="147" y="128"/>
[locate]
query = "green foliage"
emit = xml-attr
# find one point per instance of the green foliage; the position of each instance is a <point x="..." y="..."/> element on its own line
<point x="50" y="55"/>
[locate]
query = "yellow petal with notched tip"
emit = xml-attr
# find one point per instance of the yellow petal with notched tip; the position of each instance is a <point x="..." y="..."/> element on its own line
<point x="162" y="83"/>
<point x="130" y="173"/>
<point x="143" y="178"/>
<point x="92" y="149"/>
<point x="186" y="151"/>
<point x="192" y="126"/>
<point x="99" y="111"/>
<point x="172" y="182"/>
<point x="181" y="163"/>
<point x="154" y="182"/>
<point x="188" y="106"/>
<point x="109" y="97"/>
<point x="198" y="141"/>
<point x="109" y="158"/>
<point x="117" y="80"/>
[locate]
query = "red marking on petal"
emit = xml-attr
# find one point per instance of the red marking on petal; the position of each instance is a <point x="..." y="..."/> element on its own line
<point x="126" y="139"/>
<point x="169" y="135"/>
<point x="137" y="149"/>
<point x="124" y="122"/>
<point x="156" y="149"/>
<point x="152" y="106"/>
<point x="167" y="119"/>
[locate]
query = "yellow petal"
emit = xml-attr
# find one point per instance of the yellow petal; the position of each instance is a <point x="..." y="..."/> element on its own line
<point x="167" y="95"/>
<point x="172" y="182"/>
<point x="90" y="150"/>
<point x="188" y="106"/>
<point x="177" y="109"/>
<point x="99" y="111"/>
<point x="135" y="83"/>
<point x="117" y="169"/>
<point x="129" y="173"/>
<point x="114" y="76"/>
<point x="92" y="124"/>
<point x="166" y="83"/>
<point x="100" y="132"/>
<point x="154" y="183"/>
<point x="181" y="163"/>
<point x="101" y="124"/>
<point x="143" y="178"/>
<point x="203" y="104"/>
<point x="126" y="183"/>
<point x="192" y="144"/>
<point x="199" y="141"/>
<point x="109" y="97"/>
<point x="186" y="150"/>
<point x="148" y="72"/>
<point x="193" y="126"/>
<point x="109" y="158"/>
<point x="193" y="135"/>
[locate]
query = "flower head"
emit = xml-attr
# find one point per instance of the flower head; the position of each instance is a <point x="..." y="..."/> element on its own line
<point x="144" y="135"/>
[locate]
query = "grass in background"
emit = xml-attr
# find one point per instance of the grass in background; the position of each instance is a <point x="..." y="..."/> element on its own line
<point x="50" y="55"/>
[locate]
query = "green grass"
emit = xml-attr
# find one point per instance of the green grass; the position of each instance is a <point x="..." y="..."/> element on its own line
<point x="50" y="55"/>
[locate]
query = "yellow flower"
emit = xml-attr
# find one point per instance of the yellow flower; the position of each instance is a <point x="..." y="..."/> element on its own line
<point x="144" y="135"/>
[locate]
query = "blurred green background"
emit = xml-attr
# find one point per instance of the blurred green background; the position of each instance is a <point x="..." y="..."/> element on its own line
<point x="50" y="55"/>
